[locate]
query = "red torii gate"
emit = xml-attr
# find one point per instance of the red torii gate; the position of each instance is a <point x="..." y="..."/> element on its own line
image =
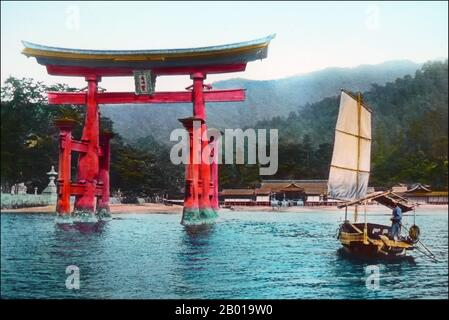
<point x="92" y="187"/>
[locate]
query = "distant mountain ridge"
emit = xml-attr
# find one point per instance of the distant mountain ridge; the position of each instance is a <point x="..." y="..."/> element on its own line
<point x="265" y="99"/>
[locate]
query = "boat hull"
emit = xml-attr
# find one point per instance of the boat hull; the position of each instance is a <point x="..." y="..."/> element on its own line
<point x="371" y="241"/>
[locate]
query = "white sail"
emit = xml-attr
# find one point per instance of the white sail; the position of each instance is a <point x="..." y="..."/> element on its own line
<point x="351" y="159"/>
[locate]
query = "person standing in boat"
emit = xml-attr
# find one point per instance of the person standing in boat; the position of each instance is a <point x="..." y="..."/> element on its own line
<point x="396" y="222"/>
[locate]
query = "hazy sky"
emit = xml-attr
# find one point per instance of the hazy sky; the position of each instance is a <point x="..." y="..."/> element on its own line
<point x="310" y="36"/>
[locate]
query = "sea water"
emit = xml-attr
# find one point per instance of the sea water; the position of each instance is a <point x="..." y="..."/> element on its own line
<point x="258" y="255"/>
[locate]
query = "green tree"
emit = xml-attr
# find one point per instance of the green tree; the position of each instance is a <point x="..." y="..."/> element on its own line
<point x="28" y="137"/>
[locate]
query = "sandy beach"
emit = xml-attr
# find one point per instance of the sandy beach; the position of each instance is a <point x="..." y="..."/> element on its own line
<point x="158" y="208"/>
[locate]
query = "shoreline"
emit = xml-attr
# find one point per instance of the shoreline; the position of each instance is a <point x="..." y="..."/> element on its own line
<point x="157" y="208"/>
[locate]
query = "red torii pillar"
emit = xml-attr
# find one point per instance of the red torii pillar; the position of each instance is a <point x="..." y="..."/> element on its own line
<point x="200" y="206"/>
<point x="197" y="202"/>
<point x="214" y="174"/>
<point x="64" y="164"/>
<point x="103" y="174"/>
<point x="88" y="162"/>
<point x="192" y="191"/>
<point x="206" y="212"/>
<point x="91" y="190"/>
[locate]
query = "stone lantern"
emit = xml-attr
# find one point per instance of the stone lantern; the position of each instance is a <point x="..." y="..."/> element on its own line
<point x="51" y="188"/>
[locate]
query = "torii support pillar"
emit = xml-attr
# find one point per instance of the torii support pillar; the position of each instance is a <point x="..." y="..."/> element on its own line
<point x="214" y="175"/>
<point x="191" y="213"/>
<point x="103" y="209"/>
<point x="206" y="212"/>
<point x="64" y="166"/>
<point x="197" y="205"/>
<point x="88" y="163"/>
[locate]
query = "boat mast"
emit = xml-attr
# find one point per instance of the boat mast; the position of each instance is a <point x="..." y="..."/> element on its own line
<point x="359" y="112"/>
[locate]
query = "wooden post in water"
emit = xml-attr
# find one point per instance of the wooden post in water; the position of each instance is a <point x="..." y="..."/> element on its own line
<point x="64" y="166"/>
<point x="88" y="161"/>
<point x="191" y="192"/>
<point x="103" y="174"/>
<point x="214" y="174"/>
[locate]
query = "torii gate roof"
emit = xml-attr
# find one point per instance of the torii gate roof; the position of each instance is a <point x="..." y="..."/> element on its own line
<point x="229" y="54"/>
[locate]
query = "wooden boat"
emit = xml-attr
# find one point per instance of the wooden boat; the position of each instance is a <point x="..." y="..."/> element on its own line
<point x="348" y="182"/>
<point x="374" y="240"/>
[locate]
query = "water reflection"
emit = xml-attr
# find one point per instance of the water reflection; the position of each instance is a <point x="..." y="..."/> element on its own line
<point x="193" y="265"/>
<point x="195" y="232"/>
<point x="196" y="240"/>
<point x="343" y="255"/>
<point x="352" y="276"/>
<point x="84" y="228"/>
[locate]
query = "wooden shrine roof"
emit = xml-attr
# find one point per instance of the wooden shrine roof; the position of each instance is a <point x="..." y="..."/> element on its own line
<point x="419" y="188"/>
<point x="235" y="53"/>
<point x="292" y="187"/>
<point x="308" y="186"/>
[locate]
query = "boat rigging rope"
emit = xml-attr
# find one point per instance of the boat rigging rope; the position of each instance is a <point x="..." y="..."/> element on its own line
<point x="427" y="255"/>
<point x="430" y="253"/>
